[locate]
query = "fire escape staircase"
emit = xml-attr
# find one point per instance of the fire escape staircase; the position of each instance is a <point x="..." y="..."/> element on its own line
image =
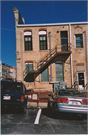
<point x="52" y="56"/>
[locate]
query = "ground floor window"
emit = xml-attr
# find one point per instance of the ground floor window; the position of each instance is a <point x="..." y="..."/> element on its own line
<point x="59" y="71"/>
<point x="28" y="67"/>
<point x="81" y="80"/>
<point x="44" y="75"/>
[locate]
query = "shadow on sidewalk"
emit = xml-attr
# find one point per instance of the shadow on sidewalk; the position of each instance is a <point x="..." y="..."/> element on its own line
<point x="65" y="116"/>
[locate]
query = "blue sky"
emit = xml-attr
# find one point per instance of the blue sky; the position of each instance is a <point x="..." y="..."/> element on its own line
<point x="35" y="12"/>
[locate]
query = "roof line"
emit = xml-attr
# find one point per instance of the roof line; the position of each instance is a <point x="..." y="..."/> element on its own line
<point x="50" y="24"/>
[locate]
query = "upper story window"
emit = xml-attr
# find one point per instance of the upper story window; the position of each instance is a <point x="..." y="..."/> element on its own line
<point x="64" y="41"/>
<point x="79" y="41"/>
<point x="43" y="40"/>
<point x="28" y="40"/>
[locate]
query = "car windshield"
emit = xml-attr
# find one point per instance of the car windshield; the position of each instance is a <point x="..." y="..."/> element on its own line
<point x="11" y="86"/>
<point x="66" y="92"/>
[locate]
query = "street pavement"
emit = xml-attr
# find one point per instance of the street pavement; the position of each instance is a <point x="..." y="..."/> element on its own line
<point x="14" y="122"/>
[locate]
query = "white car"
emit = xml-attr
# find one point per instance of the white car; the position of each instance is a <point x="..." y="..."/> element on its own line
<point x="68" y="100"/>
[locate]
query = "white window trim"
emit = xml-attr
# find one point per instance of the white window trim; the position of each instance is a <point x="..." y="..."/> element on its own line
<point x="42" y="32"/>
<point x="27" y="33"/>
<point x="84" y="77"/>
<point x="28" y="63"/>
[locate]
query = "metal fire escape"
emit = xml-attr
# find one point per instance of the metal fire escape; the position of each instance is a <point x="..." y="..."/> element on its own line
<point x="56" y="54"/>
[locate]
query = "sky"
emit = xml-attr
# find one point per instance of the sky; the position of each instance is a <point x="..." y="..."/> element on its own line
<point x="35" y="12"/>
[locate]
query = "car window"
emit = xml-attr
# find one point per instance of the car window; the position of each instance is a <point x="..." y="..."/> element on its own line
<point x="11" y="86"/>
<point x="65" y="92"/>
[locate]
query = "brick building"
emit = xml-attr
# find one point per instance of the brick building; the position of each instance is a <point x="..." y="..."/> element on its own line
<point x="51" y="52"/>
<point x="8" y="72"/>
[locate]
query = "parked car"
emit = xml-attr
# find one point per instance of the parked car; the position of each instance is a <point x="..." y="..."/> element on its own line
<point x="68" y="100"/>
<point x="13" y="94"/>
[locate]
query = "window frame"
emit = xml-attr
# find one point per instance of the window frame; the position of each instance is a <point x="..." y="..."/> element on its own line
<point x="45" y="81"/>
<point x="29" y="63"/>
<point x="43" y="33"/>
<point x="59" y="62"/>
<point x="64" y="45"/>
<point x="28" y="34"/>
<point x="76" y="42"/>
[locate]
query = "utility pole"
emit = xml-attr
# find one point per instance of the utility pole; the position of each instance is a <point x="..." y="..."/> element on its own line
<point x="50" y="56"/>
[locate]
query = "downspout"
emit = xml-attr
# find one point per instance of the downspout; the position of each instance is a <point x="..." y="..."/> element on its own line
<point x="71" y="55"/>
<point x="86" y="57"/>
<point x="21" y="56"/>
<point x="50" y="56"/>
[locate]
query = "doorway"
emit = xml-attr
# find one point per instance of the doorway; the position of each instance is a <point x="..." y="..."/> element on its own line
<point x="81" y="80"/>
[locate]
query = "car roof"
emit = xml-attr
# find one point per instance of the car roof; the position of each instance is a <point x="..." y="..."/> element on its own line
<point x="11" y="81"/>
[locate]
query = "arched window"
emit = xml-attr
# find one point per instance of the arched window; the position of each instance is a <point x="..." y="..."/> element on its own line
<point x="28" y="40"/>
<point x="43" y="40"/>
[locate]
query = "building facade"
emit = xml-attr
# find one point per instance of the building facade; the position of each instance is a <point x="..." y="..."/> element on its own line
<point x="51" y="52"/>
<point x="8" y="72"/>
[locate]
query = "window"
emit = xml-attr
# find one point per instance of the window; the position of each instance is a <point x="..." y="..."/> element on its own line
<point x="29" y="67"/>
<point x="64" y="41"/>
<point x="11" y="86"/>
<point x="44" y="74"/>
<point x="43" y="40"/>
<point x="28" y="40"/>
<point x="59" y="71"/>
<point x="79" y="41"/>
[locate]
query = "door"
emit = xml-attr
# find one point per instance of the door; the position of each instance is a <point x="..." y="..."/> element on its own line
<point x="81" y="79"/>
<point x="59" y="71"/>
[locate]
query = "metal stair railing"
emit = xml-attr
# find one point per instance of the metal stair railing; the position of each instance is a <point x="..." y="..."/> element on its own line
<point x="43" y="59"/>
<point x="75" y="85"/>
<point x="86" y="86"/>
<point x="25" y="72"/>
<point x="47" y="57"/>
